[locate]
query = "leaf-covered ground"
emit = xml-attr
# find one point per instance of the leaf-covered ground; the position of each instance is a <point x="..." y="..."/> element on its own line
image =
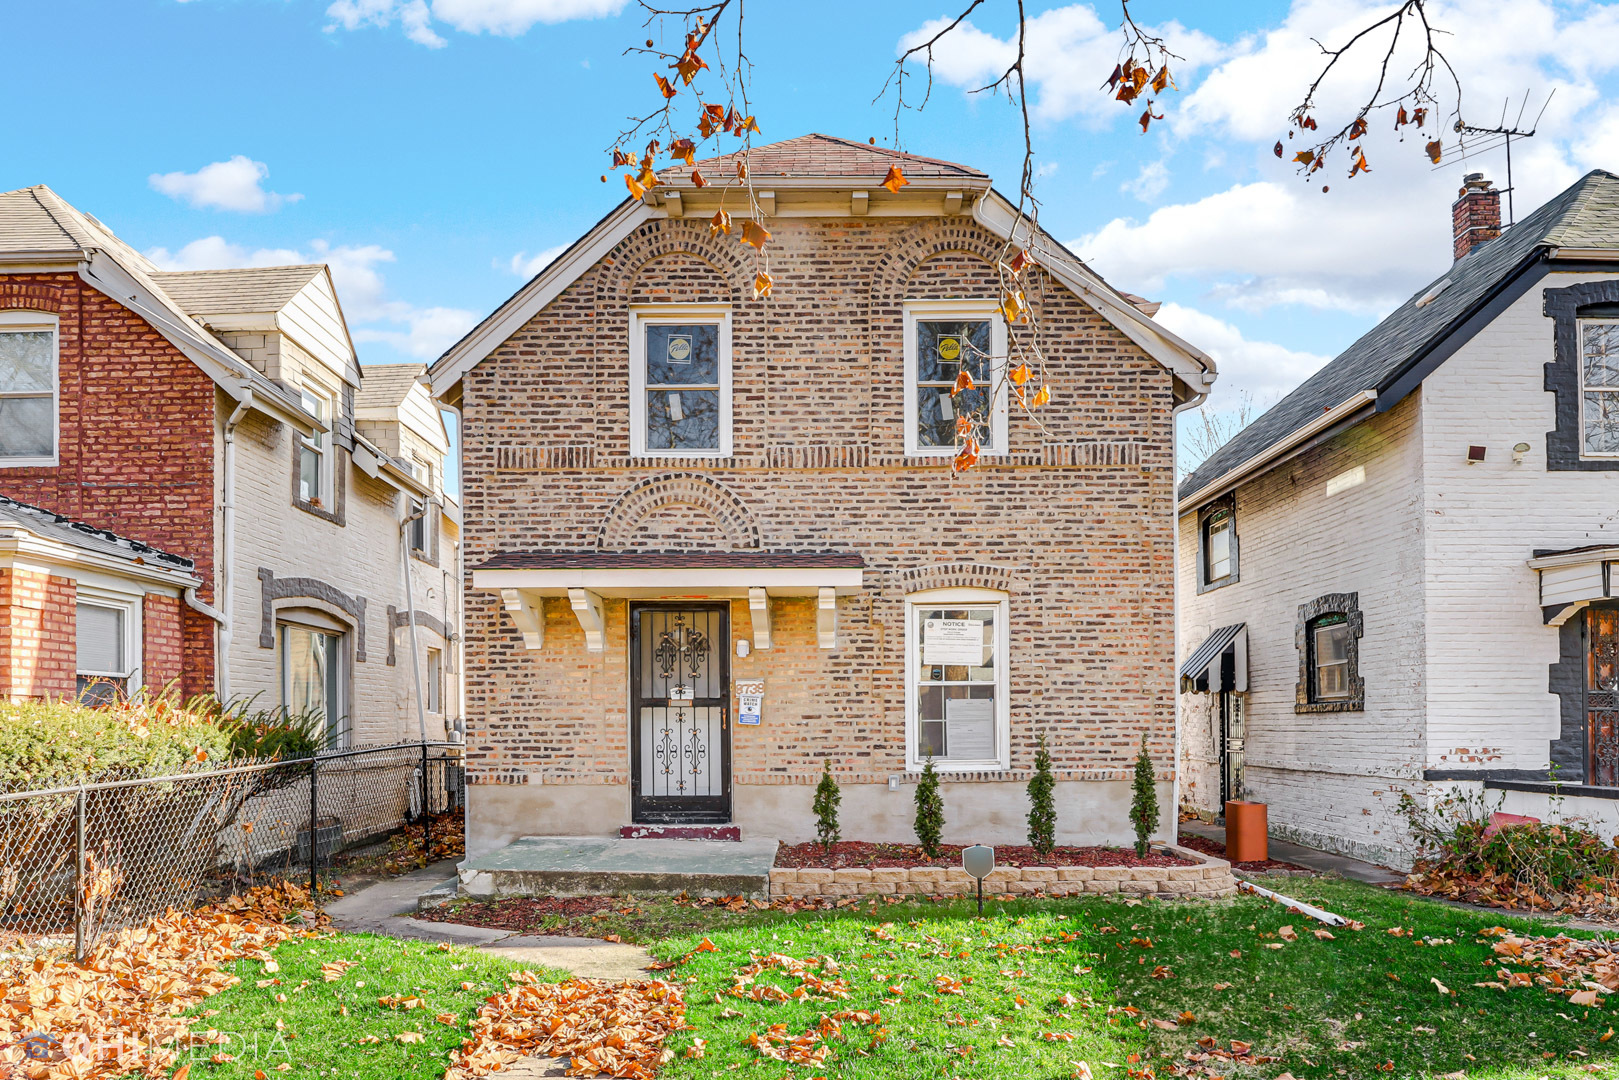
<point x="1162" y="983"/>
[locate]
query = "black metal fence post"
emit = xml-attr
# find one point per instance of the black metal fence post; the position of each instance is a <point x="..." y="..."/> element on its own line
<point x="427" y="813"/>
<point x="79" y="914"/>
<point x="314" y="838"/>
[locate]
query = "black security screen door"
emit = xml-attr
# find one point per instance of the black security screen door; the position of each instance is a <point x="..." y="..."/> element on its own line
<point x="680" y="704"/>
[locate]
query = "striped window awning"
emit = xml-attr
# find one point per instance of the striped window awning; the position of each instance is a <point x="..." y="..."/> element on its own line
<point x="1207" y="671"/>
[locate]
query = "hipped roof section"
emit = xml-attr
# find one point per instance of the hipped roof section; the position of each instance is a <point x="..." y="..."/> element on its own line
<point x="820" y="162"/>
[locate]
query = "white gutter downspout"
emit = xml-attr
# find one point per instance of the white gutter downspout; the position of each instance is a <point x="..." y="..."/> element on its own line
<point x="227" y="556"/>
<point x="1175" y="604"/>
<point x="410" y="614"/>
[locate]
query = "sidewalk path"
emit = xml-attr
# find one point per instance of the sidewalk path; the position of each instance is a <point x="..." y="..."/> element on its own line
<point x="386" y="908"/>
<point x="1299" y="855"/>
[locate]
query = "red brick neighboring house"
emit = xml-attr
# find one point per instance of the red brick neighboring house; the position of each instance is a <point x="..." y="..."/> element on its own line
<point x="84" y="611"/>
<point x="714" y="540"/>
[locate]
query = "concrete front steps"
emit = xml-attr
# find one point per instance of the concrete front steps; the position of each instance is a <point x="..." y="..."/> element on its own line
<point x="612" y="866"/>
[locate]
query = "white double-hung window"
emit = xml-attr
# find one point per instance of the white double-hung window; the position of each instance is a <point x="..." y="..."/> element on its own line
<point x="315" y="450"/>
<point x="107" y="645"/>
<point x="28" y="382"/>
<point x="680" y="381"/>
<point x="943" y="339"/>
<point x="1599" y="388"/>
<point x="956" y="689"/>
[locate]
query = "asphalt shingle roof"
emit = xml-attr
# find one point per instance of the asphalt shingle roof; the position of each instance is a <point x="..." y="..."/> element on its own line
<point x="53" y="526"/>
<point x="385" y="386"/>
<point x="235" y="292"/>
<point x="816" y="156"/>
<point x="1586" y="215"/>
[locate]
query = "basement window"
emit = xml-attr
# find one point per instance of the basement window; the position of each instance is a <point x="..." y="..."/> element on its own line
<point x="28" y="389"/>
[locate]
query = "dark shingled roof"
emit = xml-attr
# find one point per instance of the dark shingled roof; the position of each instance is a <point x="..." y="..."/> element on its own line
<point x="1584" y="216"/>
<point x="674" y="560"/>
<point x="54" y="526"/>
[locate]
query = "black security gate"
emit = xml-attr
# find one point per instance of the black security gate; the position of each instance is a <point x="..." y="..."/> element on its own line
<point x="1233" y="746"/>
<point x="680" y="705"/>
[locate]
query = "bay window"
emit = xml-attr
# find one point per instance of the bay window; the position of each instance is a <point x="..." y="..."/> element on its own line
<point x="956" y="692"/>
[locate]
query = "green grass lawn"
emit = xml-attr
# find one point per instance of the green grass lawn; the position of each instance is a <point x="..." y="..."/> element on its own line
<point x="338" y="1028"/>
<point x="1034" y="989"/>
<point x="1359" y="1005"/>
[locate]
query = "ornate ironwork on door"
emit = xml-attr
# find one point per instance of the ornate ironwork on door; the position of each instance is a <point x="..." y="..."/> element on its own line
<point x="1233" y="743"/>
<point x="1602" y="694"/>
<point x="681" y="700"/>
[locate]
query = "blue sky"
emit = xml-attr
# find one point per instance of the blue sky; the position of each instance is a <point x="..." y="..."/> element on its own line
<point x="431" y="149"/>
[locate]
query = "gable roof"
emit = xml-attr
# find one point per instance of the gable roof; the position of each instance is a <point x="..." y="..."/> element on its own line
<point x="823" y="157"/>
<point x="236" y="292"/>
<point x="386" y="385"/>
<point x="1585" y="217"/>
<point x="1189" y="364"/>
<point x="39" y="226"/>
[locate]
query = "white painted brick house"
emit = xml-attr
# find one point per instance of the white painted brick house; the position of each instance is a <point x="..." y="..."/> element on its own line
<point x="1400" y="577"/>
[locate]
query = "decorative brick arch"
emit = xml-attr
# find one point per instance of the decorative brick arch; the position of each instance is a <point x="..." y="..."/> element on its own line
<point x="32" y="296"/>
<point x="730" y="514"/>
<point x="660" y="239"/>
<point x="914" y="247"/>
<point x="959" y="575"/>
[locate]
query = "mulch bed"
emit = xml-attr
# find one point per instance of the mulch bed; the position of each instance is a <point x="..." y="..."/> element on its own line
<point x="852" y="854"/>
<point x="1252" y="866"/>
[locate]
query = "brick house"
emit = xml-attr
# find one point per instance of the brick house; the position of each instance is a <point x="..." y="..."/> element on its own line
<point x="714" y="541"/>
<point x="1398" y="579"/>
<point x="219" y="419"/>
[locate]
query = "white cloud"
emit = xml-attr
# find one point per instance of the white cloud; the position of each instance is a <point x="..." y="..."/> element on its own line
<point x="506" y="18"/>
<point x="1262" y="370"/>
<point x="372" y="314"/>
<point x="525" y="265"/>
<point x="1149" y="183"/>
<point x="236" y="184"/>
<point x="1069" y="53"/>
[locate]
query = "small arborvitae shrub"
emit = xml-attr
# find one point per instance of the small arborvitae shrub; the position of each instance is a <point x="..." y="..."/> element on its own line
<point x="1042" y="806"/>
<point x="929" y="810"/>
<point x="1144" y="800"/>
<point x="827" y="798"/>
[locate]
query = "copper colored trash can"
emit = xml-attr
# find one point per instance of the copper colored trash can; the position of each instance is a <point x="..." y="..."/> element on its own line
<point x="1245" y="839"/>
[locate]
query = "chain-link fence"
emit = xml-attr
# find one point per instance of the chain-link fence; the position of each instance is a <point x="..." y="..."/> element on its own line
<point x="78" y="862"/>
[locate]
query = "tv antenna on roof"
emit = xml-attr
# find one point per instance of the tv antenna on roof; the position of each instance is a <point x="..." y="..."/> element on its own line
<point x="1493" y="137"/>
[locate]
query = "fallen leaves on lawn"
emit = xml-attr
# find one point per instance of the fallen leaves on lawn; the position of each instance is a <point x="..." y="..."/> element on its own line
<point x="810" y="1048"/>
<point x="1584" y="970"/>
<point x="607" y="1028"/>
<point x="134" y="985"/>
<point x="811" y="984"/>
<point x="335" y="969"/>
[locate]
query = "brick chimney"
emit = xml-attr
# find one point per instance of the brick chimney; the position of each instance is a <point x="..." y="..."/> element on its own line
<point x="1475" y="216"/>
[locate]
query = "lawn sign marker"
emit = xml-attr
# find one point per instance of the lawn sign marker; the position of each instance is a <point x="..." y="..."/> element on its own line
<point x="978" y="861"/>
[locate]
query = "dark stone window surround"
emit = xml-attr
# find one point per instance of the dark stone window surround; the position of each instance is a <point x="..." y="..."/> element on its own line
<point x="1348" y="605"/>
<point x="337" y="513"/>
<point x="1563" y="443"/>
<point x="398" y="620"/>
<point x="275" y="588"/>
<point x="1229" y="504"/>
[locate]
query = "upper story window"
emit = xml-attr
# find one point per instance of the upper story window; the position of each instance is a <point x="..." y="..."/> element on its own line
<point x="315" y="451"/>
<point x="1328" y="635"/>
<point x="680" y="381"/>
<point x="1217" y="547"/>
<point x="1599" y="388"/>
<point x="435" y="681"/>
<point x="28" y="387"/>
<point x="957" y="691"/>
<point x="943" y="339"/>
<point x="421" y="529"/>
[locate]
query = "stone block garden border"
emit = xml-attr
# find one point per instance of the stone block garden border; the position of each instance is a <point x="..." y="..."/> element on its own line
<point x="1208" y="877"/>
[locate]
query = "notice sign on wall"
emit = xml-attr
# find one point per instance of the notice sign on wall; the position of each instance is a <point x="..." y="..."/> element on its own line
<point x="750" y="701"/>
<point x="953" y="641"/>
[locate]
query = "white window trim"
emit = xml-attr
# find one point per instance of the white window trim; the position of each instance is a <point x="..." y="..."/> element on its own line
<point x="22" y="319"/>
<point x="1579" y="337"/>
<point x="133" y="607"/>
<point x="934" y="310"/>
<point x="328" y="468"/>
<point x="643" y="315"/>
<point x="435" y="681"/>
<point x="931" y="598"/>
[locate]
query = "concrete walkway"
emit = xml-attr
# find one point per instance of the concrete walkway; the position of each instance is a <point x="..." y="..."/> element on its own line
<point x="386" y="908"/>
<point x="1299" y="855"/>
<point x="613" y="866"/>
